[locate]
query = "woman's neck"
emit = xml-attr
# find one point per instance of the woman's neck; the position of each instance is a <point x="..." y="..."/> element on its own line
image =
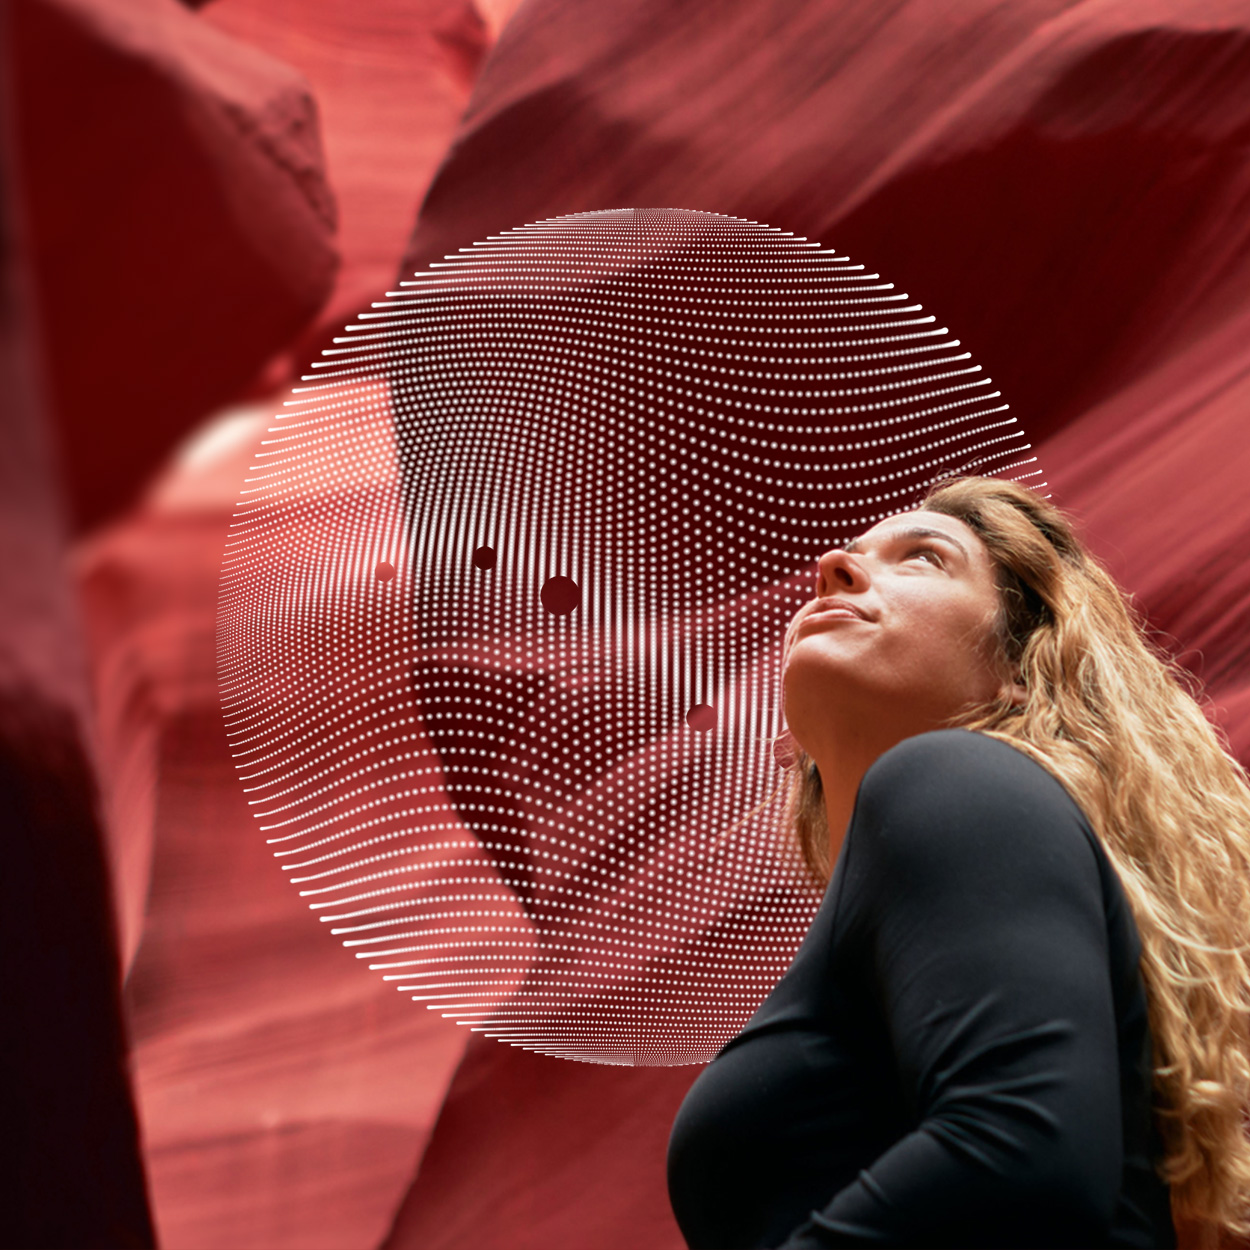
<point x="842" y="761"/>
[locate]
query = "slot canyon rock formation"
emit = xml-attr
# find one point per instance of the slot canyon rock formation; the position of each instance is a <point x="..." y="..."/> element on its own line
<point x="208" y="193"/>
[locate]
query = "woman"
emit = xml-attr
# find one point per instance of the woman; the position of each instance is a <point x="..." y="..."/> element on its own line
<point x="1020" y="1017"/>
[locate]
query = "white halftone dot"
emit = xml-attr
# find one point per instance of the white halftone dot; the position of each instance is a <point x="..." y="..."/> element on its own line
<point x="503" y="599"/>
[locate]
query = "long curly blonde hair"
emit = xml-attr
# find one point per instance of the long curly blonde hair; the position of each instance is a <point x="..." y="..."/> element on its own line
<point x="1114" y="720"/>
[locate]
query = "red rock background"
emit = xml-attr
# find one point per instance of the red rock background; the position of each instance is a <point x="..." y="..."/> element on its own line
<point x="208" y="192"/>
<point x="73" y="1172"/>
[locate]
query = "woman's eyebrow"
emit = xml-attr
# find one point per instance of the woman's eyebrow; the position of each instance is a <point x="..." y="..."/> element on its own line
<point x="856" y="545"/>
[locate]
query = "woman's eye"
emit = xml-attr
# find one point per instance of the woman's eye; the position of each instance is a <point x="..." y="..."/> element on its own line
<point x="928" y="553"/>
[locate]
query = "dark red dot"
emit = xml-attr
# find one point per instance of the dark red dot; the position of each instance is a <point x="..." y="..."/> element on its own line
<point x="484" y="558"/>
<point x="385" y="571"/>
<point x="701" y="717"/>
<point x="560" y="595"/>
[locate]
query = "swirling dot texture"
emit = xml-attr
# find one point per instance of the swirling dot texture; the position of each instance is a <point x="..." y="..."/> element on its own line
<point x="502" y="604"/>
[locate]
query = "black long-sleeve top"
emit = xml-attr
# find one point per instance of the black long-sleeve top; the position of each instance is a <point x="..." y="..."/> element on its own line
<point x="959" y="1054"/>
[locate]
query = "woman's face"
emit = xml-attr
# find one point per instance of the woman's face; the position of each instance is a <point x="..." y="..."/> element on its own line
<point x="900" y="636"/>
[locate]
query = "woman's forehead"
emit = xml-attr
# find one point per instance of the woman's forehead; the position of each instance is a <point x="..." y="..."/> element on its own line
<point x="922" y="519"/>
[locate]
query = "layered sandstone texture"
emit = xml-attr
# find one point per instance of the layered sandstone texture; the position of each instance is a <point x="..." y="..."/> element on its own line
<point x="1063" y="184"/>
<point x="185" y="239"/>
<point x="182" y="229"/>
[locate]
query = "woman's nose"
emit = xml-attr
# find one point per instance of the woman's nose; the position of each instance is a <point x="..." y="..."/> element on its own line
<point x="837" y="570"/>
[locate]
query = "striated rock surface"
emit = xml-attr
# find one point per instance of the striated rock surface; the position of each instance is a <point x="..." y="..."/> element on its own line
<point x="181" y="225"/>
<point x="532" y="1152"/>
<point x="1157" y="472"/>
<point x="1059" y="183"/>
<point x="286" y="1097"/>
<point x="391" y="79"/>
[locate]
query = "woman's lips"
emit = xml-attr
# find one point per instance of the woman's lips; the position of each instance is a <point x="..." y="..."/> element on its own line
<point x="838" y="612"/>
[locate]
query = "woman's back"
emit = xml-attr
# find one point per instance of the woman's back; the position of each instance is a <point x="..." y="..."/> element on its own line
<point x="959" y="1054"/>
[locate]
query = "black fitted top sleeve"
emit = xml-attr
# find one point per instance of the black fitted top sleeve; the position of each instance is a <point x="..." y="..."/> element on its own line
<point x="961" y="970"/>
<point x="981" y="920"/>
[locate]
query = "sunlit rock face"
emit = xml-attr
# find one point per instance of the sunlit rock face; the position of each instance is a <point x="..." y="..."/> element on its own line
<point x="181" y="226"/>
<point x="284" y="1099"/>
<point x="391" y="79"/>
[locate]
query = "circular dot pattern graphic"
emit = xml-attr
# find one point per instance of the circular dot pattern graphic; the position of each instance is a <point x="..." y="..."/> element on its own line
<point x="503" y="600"/>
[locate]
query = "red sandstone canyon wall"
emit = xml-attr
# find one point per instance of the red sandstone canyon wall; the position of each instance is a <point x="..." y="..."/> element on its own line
<point x="73" y="1171"/>
<point x="212" y="191"/>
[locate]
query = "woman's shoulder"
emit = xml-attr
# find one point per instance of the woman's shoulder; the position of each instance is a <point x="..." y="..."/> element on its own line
<point x="954" y="745"/>
<point x="961" y="795"/>
<point x="964" y="764"/>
